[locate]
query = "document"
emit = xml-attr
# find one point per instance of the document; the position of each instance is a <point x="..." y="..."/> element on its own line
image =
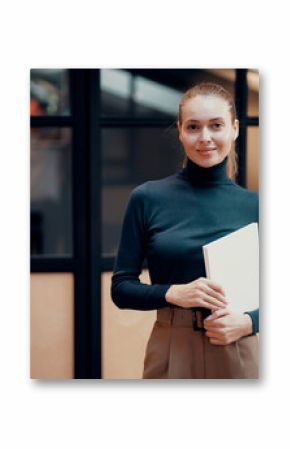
<point x="233" y="262"/>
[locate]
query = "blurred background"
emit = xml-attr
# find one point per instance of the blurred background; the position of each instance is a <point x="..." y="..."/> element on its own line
<point x="95" y="135"/>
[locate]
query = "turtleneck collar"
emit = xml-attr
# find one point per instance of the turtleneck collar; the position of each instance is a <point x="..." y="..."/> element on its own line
<point x="206" y="176"/>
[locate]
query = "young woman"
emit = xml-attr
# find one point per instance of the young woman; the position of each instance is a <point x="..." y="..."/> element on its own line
<point x="196" y="335"/>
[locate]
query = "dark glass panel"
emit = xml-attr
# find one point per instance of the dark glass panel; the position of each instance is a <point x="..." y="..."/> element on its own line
<point x="153" y="93"/>
<point x="51" y="191"/>
<point x="132" y="156"/>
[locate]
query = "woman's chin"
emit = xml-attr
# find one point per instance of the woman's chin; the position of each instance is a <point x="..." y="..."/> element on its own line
<point x="207" y="162"/>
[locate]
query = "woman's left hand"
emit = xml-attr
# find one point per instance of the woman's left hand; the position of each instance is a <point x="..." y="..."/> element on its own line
<point x="225" y="326"/>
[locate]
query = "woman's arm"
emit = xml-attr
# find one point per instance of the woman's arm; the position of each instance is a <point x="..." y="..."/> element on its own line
<point x="126" y="289"/>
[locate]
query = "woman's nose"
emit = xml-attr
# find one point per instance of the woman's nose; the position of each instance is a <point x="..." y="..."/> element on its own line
<point x="205" y="135"/>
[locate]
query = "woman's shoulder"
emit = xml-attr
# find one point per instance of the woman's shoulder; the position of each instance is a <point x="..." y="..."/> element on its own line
<point x="243" y="191"/>
<point x="155" y="186"/>
<point x="154" y="192"/>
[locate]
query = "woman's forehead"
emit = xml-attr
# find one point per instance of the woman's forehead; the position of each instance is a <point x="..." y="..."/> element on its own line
<point x="205" y="107"/>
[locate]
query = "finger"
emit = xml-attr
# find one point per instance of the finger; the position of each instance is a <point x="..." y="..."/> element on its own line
<point x="213" y="301"/>
<point x="219" y="323"/>
<point x="209" y="306"/>
<point x="212" y="334"/>
<point x="215" y="286"/>
<point x="214" y="294"/>
<point x="205" y="305"/>
<point x="214" y="324"/>
<point x="216" y="341"/>
<point x="218" y="314"/>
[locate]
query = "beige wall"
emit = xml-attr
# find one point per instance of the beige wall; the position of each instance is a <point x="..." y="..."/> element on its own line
<point x="124" y="332"/>
<point x="253" y="158"/>
<point x="253" y="133"/>
<point x="253" y="92"/>
<point x="124" y="336"/>
<point x="51" y="326"/>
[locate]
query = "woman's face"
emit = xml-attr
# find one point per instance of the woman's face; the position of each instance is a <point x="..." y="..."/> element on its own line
<point x="207" y="131"/>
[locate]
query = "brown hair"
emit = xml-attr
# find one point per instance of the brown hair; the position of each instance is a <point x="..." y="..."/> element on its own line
<point x="218" y="91"/>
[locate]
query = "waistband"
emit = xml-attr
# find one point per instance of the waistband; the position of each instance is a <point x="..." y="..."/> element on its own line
<point x="182" y="317"/>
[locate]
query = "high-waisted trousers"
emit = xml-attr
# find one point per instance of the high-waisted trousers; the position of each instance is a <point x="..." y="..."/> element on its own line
<point x="177" y="349"/>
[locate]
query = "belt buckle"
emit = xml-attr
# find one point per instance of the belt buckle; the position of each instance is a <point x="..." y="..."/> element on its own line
<point x="196" y="321"/>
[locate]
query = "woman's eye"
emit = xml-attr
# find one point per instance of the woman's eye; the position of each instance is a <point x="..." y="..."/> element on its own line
<point x="196" y="127"/>
<point x="193" y="127"/>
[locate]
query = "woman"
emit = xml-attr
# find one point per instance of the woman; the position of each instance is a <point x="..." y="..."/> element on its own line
<point x="196" y="335"/>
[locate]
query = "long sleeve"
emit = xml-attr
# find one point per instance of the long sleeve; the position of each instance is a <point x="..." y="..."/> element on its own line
<point x="126" y="289"/>
<point x="254" y="314"/>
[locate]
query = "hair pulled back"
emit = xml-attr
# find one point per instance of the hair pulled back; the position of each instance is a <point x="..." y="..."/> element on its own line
<point x="216" y="90"/>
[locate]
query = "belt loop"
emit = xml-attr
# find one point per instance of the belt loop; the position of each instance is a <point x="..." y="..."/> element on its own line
<point x="171" y="316"/>
<point x="197" y="321"/>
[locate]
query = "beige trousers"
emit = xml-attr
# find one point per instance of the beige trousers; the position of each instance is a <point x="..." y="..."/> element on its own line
<point x="176" y="351"/>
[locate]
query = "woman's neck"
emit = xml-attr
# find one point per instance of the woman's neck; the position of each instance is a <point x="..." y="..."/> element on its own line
<point x="198" y="175"/>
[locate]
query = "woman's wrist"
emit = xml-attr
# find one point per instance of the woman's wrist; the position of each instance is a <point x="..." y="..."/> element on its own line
<point x="178" y="294"/>
<point x="247" y="327"/>
<point x="169" y="295"/>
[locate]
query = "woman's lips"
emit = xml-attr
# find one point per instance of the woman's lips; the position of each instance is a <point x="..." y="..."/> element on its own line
<point x="206" y="151"/>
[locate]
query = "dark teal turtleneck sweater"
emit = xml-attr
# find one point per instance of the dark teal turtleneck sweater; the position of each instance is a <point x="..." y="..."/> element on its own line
<point x="167" y="221"/>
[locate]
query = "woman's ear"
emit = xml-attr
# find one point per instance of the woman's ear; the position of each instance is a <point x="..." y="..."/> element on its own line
<point x="236" y="128"/>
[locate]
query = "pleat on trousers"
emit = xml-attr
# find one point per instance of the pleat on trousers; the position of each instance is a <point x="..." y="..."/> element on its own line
<point x="177" y="350"/>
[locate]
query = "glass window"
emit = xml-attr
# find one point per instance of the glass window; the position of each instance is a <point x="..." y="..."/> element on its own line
<point x="127" y="94"/>
<point x="253" y="93"/>
<point x="153" y="93"/>
<point x="253" y="158"/>
<point x="51" y="193"/>
<point x="132" y="156"/>
<point x="49" y="92"/>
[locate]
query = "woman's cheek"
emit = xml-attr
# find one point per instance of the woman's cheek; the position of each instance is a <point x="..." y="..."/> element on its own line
<point x="191" y="140"/>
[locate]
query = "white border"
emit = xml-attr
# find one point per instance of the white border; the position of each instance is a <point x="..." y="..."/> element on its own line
<point x="127" y="34"/>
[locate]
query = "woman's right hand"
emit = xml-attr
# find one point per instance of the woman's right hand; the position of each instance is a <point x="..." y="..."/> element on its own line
<point x="199" y="293"/>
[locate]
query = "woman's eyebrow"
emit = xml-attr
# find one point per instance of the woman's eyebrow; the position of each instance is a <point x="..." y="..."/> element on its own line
<point x="216" y="118"/>
<point x="210" y="120"/>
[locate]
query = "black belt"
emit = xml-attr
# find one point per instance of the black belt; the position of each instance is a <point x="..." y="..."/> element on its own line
<point x="197" y="320"/>
<point x="180" y="316"/>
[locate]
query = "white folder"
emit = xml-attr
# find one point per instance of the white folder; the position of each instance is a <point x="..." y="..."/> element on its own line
<point x="233" y="262"/>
